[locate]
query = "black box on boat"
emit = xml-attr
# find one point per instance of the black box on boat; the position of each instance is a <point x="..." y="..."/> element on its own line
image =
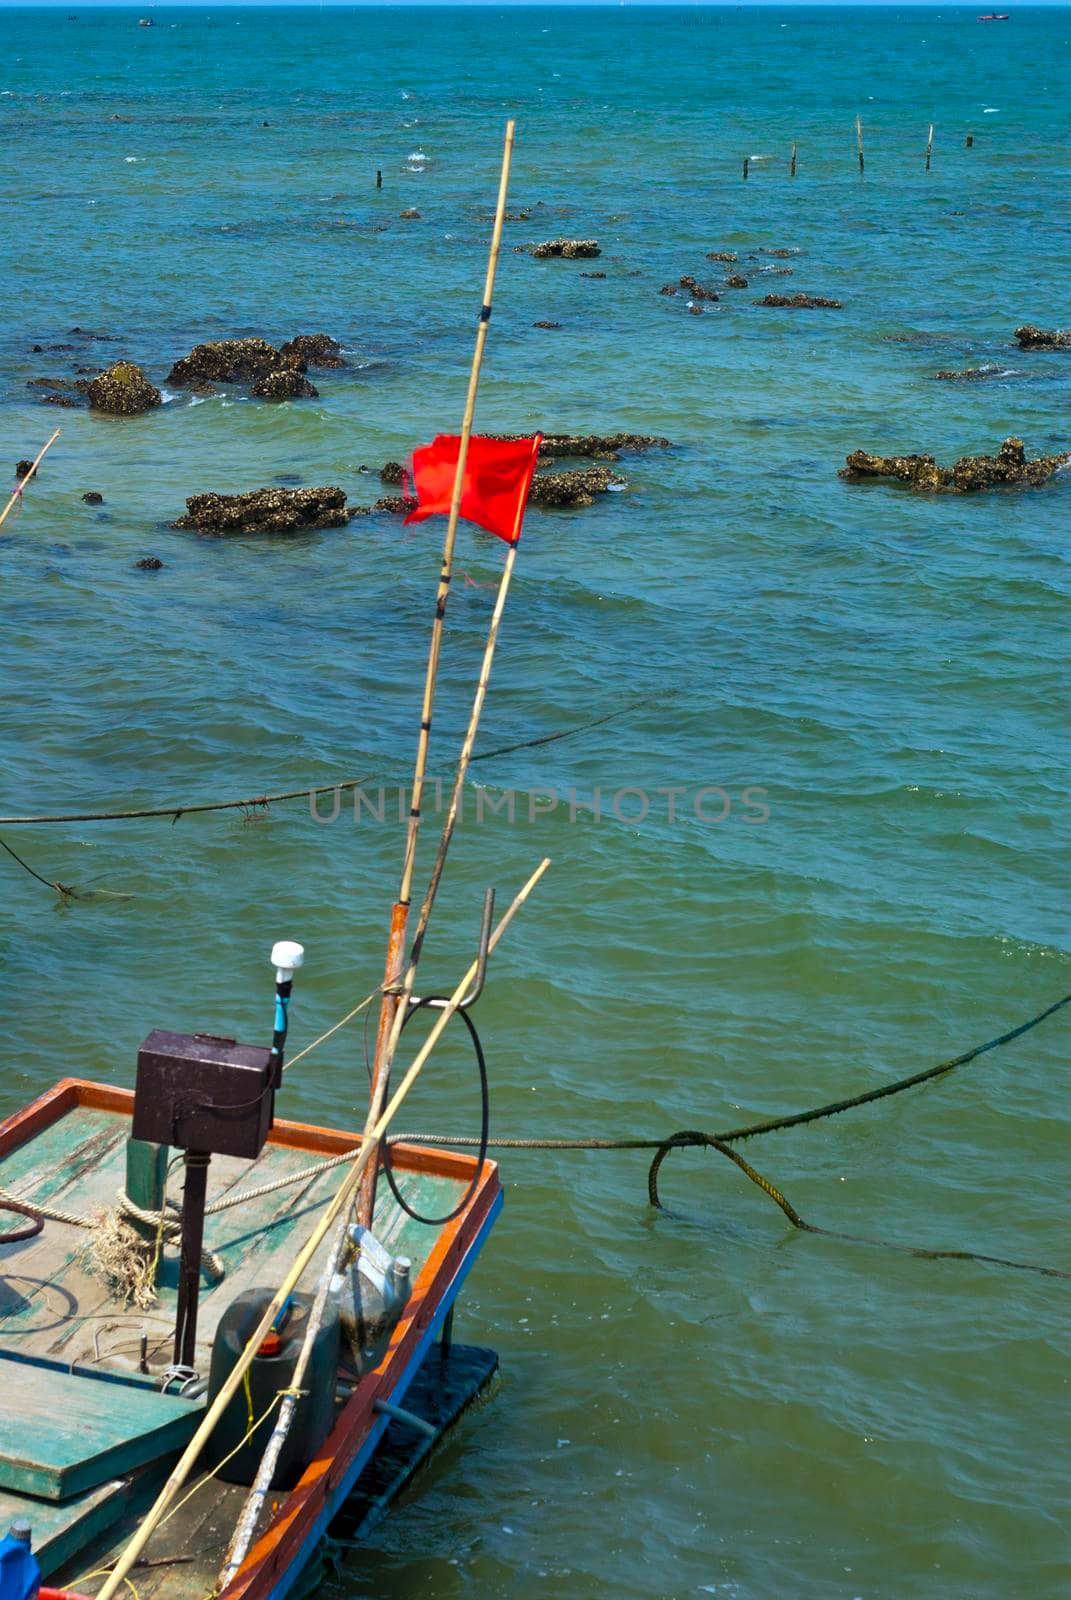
<point x="197" y="1092"/>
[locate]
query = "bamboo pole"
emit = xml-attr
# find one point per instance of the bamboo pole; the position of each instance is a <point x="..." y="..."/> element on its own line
<point x="859" y="142"/>
<point x="792" y="161"/>
<point x="747" y="166"/>
<point x="338" y="1205"/>
<point x="386" y="1031"/>
<point x="929" y="147"/>
<point x="970" y="141"/>
<point x="38" y="458"/>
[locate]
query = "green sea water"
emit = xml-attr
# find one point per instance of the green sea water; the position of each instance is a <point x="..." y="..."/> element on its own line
<point x="700" y="1401"/>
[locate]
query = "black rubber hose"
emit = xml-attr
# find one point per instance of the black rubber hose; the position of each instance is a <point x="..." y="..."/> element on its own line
<point x="485" y="1123"/>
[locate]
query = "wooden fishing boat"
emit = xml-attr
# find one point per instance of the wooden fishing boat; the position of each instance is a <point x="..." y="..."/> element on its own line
<point x="86" y="1436"/>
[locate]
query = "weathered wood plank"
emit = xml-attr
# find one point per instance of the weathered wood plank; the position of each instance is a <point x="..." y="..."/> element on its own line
<point x="61" y="1435"/>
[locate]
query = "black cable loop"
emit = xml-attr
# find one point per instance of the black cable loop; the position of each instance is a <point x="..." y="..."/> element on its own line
<point x="485" y="1121"/>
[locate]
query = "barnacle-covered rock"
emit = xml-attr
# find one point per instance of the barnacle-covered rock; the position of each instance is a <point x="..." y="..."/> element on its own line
<point x="601" y="446"/>
<point x="285" y="383"/>
<point x="569" y="248"/>
<point x="123" y="390"/>
<point x="1034" y="338"/>
<point x="313" y="350"/>
<point x="736" y="281"/>
<point x="800" y="302"/>
<point x="266" y="511"/>
<point x="698" y="291"/>
<point x="392" y="472"/>
<point x="1008" y="467"/>
<point x="722" y="255"/>
<point x="970" y="374"/>
<point x="230" y="361"/>
<point x="577" y="488"/>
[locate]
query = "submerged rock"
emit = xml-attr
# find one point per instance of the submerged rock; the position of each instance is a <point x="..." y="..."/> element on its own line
<point x="546" y="324"/>
<point x="576" y="488"/>
<point x="394" y="502"/>
<point x="737" y="281"/>
<point x="285" y="383"/>
<point x="123" y="390"/>
<point x="669" y="288"/>
<point x="266" y="511"/>
<point x="698" y="291"/>
<point x="800" y="302"/>
<point x="971" y="374"/>
<point x="1008" y="467"/>
<point x="149" y="564"/>
<point x="410" y="215"/>
<point x="314" y="349"/>
<point x="59" y="400"/>
<point x="93" y="497"/>
<point x="570" y="248"/>
<point x="1034" y="338"/>
<point x="600" y="446"/>
<point x="593" y="274"/>
<point x="230" y="361"/>
<point x="722" y="255"/>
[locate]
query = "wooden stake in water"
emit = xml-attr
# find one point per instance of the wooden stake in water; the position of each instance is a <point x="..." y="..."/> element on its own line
<point x="792" y="161"/>
<point x="747" y="164"/>
<point x="929" y="147"/>
<point x="387" y="1032"/>
<point x="379" y="179"/>
<point x="17" y="494"/>
<point x="859" y="142"/>
<point x="970" y="141"/>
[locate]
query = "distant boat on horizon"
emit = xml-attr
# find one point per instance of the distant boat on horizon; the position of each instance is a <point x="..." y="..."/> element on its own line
<point x="995" y="16"/>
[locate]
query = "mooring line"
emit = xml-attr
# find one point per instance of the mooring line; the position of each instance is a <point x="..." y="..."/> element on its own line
<point x="693" y="1138"/>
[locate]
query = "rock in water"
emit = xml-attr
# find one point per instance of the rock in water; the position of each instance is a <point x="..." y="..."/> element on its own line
<point x="970" y="374"/>
<point x="392" y="472"/>
<point x="569" y="248"/>
<point x="1033" y="338"/>
<point x="577" y="488"/>
<point x="149" y="564"/>
<point x="698" y="291"/>
<point x="601" y="446"/>
<point x="230" y="361"/>
<point x="24" y="470"/>
<point x="1008" y="467"/>
<point x="722" y="255"/>
<point x="93" y="497"/>
<point x="266" y="511"/>
<point x="285" y="383"/>
<point x="800" y="302"/>
<point x="314" y="349"/>
<point x="123" y="390"/>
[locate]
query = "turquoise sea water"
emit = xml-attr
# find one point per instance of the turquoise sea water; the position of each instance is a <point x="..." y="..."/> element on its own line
<point x="700" y="1402"/>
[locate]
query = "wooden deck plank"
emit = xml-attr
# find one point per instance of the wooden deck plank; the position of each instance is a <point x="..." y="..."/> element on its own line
<point x="61" y="1435"/>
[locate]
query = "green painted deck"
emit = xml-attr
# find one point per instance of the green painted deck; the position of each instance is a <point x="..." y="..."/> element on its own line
<point x="61" y="1434"/>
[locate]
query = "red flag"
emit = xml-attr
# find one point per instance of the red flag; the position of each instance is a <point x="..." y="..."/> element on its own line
<point x="498" y="475"/>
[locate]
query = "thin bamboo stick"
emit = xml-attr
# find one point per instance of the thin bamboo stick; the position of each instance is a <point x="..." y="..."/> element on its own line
<point x="38" y="458"/>
<point x="747" y="167"/>
<point x="387" y="1031"/>
<point x="929" y="147"/>
<point x="859" y="142"/>
<point x="337" y="1207"/>
<point x="792" y="161"/>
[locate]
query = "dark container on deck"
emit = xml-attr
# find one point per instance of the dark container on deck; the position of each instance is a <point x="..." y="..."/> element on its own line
<point x="198" y="1092"/>
<point x="268" y="1374"/>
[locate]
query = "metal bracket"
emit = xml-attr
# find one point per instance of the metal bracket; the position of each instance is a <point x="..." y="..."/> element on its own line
<point x="482" y="950"/>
